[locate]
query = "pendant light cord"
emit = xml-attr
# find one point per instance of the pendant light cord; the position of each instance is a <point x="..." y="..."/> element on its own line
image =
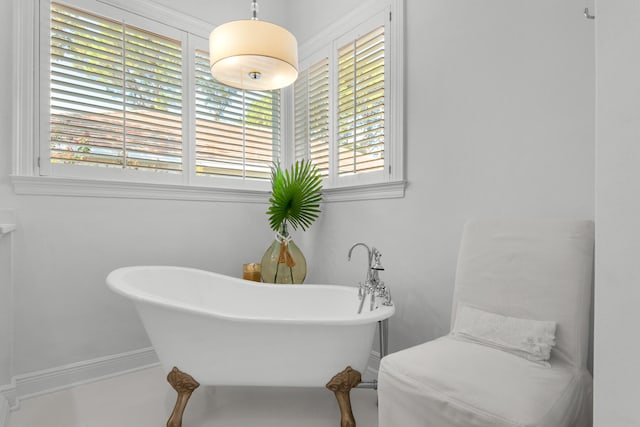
<point x="254" y="10"/>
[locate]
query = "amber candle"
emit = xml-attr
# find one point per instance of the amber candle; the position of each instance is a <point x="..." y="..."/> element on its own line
<point x="252" y="271"/>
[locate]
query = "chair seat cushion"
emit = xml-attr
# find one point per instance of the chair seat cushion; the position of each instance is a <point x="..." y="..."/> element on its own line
<point x="452" y="383"/>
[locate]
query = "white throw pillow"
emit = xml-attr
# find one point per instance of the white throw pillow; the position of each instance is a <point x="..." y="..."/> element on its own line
<point x="530" y="339"/>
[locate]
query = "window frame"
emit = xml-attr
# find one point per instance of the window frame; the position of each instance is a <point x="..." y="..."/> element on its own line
<point x="202" y="44"/>
<point x="304" y="66"/>
<point x="46" y="167"/>
<point x="27" y="176"/>
<point x="390" y="182"/>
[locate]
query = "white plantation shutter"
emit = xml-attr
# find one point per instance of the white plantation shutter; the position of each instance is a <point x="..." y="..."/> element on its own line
<point x="123" y="89"/>
<point x="116" y="94"/>
<point x="361" y="92"/>
<point x="301" y="115"/>
<point x="237" y="132"/>
<point x="153" y="81"/>
<point x="312" y="115"/>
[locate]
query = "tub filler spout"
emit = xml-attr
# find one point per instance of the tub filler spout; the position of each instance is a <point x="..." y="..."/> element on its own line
<point x="372" y="286"/>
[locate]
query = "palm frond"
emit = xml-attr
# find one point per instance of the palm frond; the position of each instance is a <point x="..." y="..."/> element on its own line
<point x="295" y="195"/>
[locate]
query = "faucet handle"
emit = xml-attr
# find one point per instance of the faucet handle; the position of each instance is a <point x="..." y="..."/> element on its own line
<point x="387" y="297"/>
<point x="381" y="289"/>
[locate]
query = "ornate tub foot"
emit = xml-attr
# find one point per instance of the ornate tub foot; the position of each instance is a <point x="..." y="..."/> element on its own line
<point x="341" y="384"/>
<point x="184" y="384"/>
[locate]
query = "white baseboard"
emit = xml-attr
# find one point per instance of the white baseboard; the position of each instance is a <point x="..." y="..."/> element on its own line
<point x="63" y="377"/>
<point x="50" y="380"/>
<point x="4" y="410"/>
<point x="371" y="373"/>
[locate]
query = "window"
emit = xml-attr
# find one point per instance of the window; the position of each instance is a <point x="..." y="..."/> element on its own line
<point x="360" y="118"/>
<point x="348" y="101"/>
<point x="237" y="132"/>
<point x="116" y="94"/>
<point x="311" y="92"/>
<point x="125" y="104"/>
<point x="129" y="96"/>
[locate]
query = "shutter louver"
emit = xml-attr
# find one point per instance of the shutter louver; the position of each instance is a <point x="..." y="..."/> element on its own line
<point x="237" y="132"/>
<point x="361" y="104"/>
<point x="312" y="115"/>
<point x="116" y="94"/>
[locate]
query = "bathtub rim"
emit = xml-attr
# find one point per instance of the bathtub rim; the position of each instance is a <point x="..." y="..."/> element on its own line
<point x="115" y="281"/>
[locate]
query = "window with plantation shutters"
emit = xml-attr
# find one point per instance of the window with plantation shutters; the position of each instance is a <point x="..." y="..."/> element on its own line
<point x="311" y="108"/>
<point x="348" y="104"/>
<point x="237" y="131"/>
<point x="116" y="97"/>
<point x="115" y="94"/>
<point x="128" y="93"/>
<point x="360" y="110"/>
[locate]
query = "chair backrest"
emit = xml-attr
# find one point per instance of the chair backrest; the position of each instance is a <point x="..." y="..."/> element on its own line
<point x="535" y="269"/>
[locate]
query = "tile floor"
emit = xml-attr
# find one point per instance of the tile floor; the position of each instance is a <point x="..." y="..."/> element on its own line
<point x="145" y="399"/>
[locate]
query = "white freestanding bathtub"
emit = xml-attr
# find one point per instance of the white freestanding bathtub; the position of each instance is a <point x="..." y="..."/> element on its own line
<point x="227" y="331"/>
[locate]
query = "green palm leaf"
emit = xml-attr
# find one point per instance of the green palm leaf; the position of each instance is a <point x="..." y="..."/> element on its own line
<point x="295" y="195"/>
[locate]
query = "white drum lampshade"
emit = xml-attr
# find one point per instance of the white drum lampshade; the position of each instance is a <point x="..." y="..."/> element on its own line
<point x="253" y="55"/>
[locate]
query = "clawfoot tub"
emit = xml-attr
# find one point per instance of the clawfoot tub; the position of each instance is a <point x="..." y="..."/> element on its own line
<point x="219" y="330"/>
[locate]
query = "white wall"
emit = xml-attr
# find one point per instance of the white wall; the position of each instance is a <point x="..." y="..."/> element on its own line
<point x="306" y="18"/>
<point x="65" y="246"/>
<point x="220" y="11"/>
<point x="5" y="165"/>
<point x="617" y="349"/>
<point x="499" y="113"/>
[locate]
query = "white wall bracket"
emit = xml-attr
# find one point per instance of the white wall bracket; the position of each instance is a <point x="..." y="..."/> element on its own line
<point x="587" y="14"/>
<point x="6" y="229"/>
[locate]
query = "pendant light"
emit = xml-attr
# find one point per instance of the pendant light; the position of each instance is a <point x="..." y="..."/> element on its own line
<point x="253" y="55"/>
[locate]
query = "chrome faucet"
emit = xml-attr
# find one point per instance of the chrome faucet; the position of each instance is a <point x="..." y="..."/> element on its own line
<point x="372" y="285"/>
<point x="368" y="279"/>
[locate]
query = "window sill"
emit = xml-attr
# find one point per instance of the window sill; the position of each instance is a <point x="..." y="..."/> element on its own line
<point x="387" y="190"/>
<point x="50" y="186"/>
<point x="57" y="186"/>
<point x="7" y="222"/>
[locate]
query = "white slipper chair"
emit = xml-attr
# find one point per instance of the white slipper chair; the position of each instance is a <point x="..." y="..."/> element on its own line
<point x="510" y="276"/>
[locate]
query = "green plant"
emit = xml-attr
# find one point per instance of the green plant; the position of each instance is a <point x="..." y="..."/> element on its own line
<point x="295" y="196"/>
